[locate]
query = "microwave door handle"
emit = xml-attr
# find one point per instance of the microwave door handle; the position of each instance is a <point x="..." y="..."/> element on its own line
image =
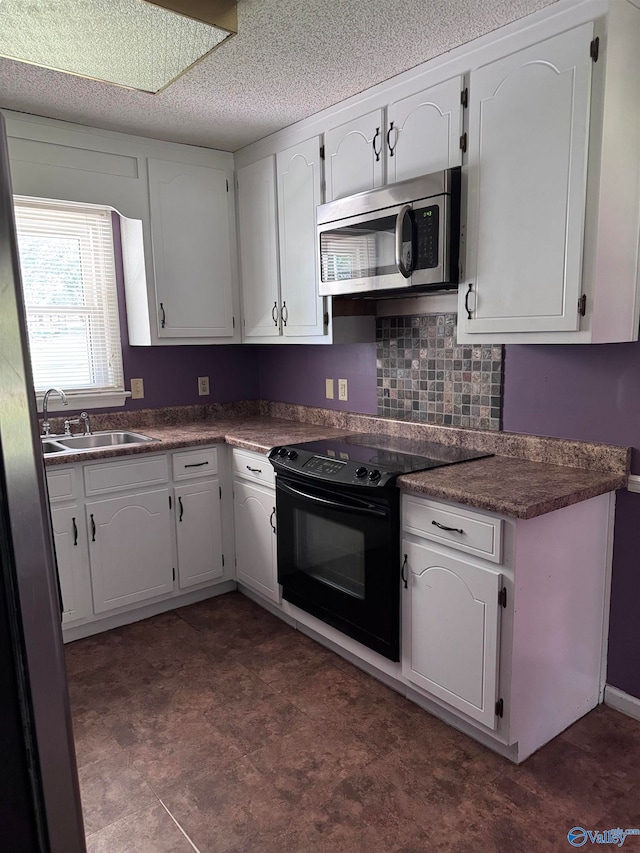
<point x="357" y="506"/>
<point x="402" y="269"/>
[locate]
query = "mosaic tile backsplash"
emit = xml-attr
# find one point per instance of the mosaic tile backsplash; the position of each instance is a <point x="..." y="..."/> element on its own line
<point x="424" y="375"/>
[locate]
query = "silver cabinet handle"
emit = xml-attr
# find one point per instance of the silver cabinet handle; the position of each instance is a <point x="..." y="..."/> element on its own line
<point x="391" y="147"/>
<point x="284" y="312"/>
<point x="448" y="529"/>
<point x="274" y="313"/>
<point x="402" y="268"/>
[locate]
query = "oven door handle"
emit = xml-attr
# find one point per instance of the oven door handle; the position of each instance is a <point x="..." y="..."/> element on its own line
<point x="353" y="505"/>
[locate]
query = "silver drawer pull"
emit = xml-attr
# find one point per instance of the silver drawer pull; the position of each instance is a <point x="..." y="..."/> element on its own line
<point x="196" y="464"/>
<point x="448" y="529"/>
<point x="254" y="470"/>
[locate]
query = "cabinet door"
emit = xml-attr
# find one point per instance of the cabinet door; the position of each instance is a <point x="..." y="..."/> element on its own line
<point x="424" y="132"/>
<point x="354" y="156"/>
<point x="130" y="548"/>
<point x="528" y="134"/>
<point x="299" y="181"/>
<point x="255" y="520"/>
<point x="197" y="509"/>
<point x="259" y="248"/>
<point x="190" y="212"/>
<point x="70" y="541"/>
<point x="451" y="631"/>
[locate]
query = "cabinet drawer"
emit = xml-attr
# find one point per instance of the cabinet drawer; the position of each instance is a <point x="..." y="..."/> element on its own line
<point x="468" y="531"/>
<point x="114" y="476"/>
<point x="195" y="463"/>
<point x="253" y="466"/>
<point x="61" y="484"/>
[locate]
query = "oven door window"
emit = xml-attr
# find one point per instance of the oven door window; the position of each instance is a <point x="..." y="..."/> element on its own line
<point x="330" y="551"/>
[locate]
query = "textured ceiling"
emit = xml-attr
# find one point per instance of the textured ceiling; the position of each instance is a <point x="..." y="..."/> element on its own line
<point x="290" y="59"/>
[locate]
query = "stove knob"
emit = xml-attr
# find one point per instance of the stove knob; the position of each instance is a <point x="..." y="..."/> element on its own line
<point x="292" y="454"/>
<point x="374" y="476"/>
<point x="282" y="451"/>
<point x="361" y="472"/>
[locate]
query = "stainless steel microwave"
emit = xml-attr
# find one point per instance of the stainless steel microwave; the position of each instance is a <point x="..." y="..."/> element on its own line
<point x="404" y="237"/>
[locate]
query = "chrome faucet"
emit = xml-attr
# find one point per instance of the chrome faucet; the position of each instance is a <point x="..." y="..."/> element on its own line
<point x="46" y="426"/>
<point x="83" y="419"/>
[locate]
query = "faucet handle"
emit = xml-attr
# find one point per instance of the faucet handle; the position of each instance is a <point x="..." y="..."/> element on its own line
<point x="84" y="417"/>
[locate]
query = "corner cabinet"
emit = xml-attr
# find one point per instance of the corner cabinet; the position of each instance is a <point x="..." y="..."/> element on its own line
<point x="421" y="134"/>
<point x="191" y="228"/>
<point x="277" y="200"/>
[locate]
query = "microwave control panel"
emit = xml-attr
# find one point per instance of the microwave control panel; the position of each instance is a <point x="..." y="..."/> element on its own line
<point x="427" y="227"/>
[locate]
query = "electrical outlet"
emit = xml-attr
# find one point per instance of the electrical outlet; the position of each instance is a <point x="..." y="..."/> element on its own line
<point x="329" y="389"/>
<point x="203" y="385"/>
<point x="343" y="389"/>
<point x="137" y="389"/>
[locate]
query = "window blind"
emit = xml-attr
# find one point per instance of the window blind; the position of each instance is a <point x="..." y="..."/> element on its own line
<point x="69" y="285"/>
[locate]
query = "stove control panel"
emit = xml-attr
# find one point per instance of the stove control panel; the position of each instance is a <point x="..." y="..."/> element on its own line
<point x="344" y="471"/>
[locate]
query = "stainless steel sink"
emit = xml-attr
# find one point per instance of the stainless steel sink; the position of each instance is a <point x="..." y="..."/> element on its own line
<point x="96" y="441"/>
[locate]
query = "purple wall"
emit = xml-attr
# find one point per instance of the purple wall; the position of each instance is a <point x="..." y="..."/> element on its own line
<point x="171" y="373"/>
<point x="297" y="373"/>
<point x="591" y="393"/>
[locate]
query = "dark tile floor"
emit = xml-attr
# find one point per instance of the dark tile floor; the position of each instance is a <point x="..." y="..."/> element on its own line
<point x="218" y="728"/>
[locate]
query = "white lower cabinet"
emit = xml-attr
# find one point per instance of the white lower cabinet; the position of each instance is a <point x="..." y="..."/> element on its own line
<point x="199" y="532"/>
<point x="255" y="513"/>
<point x="70" y="542"/>
<point x="130" y="548"/>
<point x="504" y="619"/>
<point x="451" y="629"/>
<point x="254" y="510"/>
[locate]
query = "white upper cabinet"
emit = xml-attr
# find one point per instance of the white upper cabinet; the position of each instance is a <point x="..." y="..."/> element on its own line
<point x="299" y="193"/>
<point x="191" y="241"/>
<point x="527" y="170"/>
<point x="277" y="200"/>
<point x="354" y="156"/>
<point x="257" y="217"/>
<point x="423" y="132"/>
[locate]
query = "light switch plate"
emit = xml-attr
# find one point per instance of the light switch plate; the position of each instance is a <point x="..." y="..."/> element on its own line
<point x="137" y="389"/>
<point x="329" y="389"/>
<point x="343" y="389"/>
<point x="203" y="385"/>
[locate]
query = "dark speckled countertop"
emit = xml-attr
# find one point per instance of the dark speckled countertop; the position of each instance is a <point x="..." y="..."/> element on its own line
<point x="522" y="480"/>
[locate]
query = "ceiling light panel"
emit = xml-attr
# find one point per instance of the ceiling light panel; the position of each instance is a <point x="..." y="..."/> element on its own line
<point x="128" y="42"/>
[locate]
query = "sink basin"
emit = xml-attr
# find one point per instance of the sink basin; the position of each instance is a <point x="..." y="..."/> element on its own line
<point x="80" y="443"/>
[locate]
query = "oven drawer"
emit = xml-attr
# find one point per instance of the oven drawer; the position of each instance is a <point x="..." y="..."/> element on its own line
<point x="464" y="530"/>
<point x="253" y="466"/>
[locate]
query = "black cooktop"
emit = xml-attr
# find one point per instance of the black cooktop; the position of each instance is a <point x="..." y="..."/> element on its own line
<point x="366" y="459"/>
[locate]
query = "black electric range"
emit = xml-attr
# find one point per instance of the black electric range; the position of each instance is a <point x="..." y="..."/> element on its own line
<point x="367" y="460"/>
<point x="338" y="529"/>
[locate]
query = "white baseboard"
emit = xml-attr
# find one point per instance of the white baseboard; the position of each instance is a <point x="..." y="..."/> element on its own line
<point x="622" y="701"/>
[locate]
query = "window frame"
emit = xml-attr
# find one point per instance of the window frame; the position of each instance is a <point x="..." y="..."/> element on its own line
<point x="91" y="397"/>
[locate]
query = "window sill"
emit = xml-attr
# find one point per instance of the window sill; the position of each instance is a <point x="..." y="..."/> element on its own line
<point x="84" y="400"/>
